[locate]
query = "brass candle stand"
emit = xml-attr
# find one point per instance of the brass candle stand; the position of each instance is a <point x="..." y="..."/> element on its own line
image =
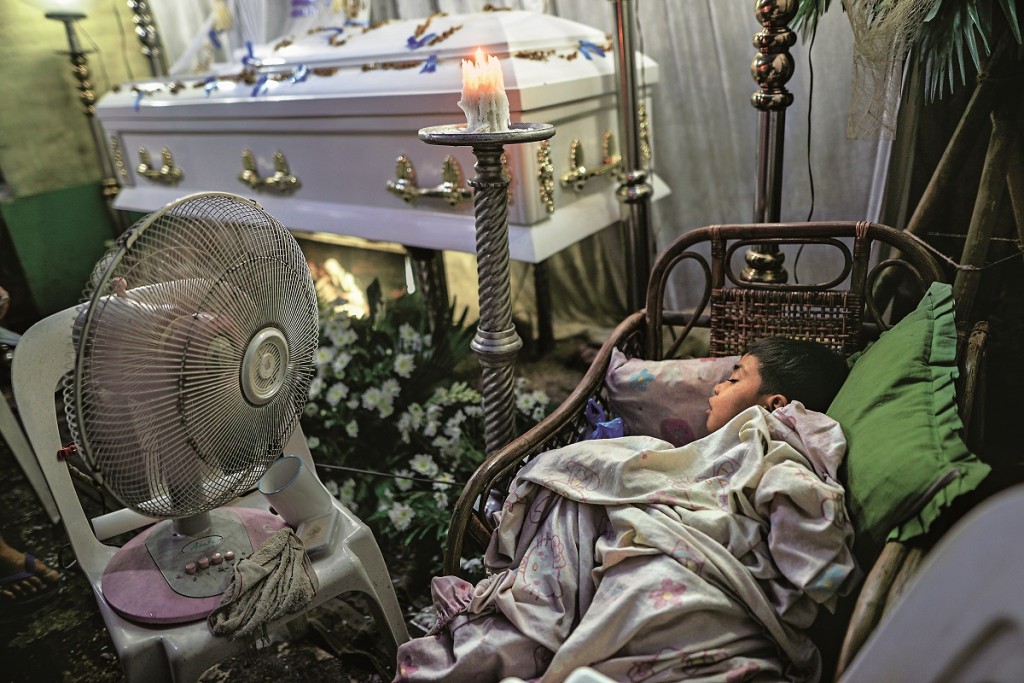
<point x="109" y="187"/>
<point x="496" y="342"/>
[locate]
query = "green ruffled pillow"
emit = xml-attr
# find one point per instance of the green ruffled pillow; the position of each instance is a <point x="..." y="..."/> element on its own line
<point x="905" y="458"/>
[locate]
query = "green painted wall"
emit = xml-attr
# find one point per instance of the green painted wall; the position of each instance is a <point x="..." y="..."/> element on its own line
<point x="57" y="236"/>
<point x="55" y="224"/>
<point x="45" y="142"/>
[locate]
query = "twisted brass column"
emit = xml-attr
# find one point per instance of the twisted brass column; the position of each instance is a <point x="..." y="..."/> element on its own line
<point x="772" y="68"/>
<point x="149" y="39"/>
<point x="496" y="342"/>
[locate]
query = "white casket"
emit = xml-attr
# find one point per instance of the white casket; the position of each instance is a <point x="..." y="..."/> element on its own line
<point x="321" y="129"/>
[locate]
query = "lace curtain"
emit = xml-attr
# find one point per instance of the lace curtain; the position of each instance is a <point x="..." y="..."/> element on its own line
<point x="704" y="131"/>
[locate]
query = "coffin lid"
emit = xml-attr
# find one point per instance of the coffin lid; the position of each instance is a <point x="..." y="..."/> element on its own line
<point x="456" y="36"/>
<point x="546" y="60"/>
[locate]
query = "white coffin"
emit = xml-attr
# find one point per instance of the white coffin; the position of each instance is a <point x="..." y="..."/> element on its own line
<point x="342" y="115"/>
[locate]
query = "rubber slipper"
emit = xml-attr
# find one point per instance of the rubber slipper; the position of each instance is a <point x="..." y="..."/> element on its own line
<point x="23" y="599"/>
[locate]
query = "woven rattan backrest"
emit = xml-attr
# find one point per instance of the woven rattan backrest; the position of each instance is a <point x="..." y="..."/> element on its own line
<point x="837" y="313"/>
<point x="739" y="316"/>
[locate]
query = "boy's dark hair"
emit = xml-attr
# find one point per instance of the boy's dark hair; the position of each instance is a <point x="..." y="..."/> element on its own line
<point x="799" y="369"/>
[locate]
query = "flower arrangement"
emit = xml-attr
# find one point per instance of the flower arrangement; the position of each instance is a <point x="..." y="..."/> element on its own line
<point x="394" y="421"/>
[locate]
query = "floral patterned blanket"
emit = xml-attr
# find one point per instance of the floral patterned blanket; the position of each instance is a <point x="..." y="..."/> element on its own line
<point x="651" y="563"/>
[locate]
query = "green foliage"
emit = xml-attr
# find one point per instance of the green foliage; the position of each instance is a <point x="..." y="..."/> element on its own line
<point x="956" y="26"/>
<point x="387" y="399"/>
<point x="953" y="31"/>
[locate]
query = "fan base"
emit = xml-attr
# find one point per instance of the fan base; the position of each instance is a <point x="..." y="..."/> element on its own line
<point x="135" y="588"/>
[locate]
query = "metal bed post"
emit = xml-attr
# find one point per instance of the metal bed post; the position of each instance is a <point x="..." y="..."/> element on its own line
<point x="772" y="68"/>
<point x="634" y="191"/>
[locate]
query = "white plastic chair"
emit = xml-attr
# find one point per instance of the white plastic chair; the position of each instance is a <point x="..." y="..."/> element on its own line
<point x="182" y="652"/>
<point x="961" y="618"/>
<point x="14" y="436"/>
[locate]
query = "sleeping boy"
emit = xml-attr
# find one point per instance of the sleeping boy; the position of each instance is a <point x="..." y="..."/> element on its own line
<point x="654" y="563"/>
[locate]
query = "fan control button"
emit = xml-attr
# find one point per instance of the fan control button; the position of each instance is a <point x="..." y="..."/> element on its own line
<point x="190" y="568"/>
<point x="229" y="555"/>
<point x="216" y="558"/>
<point x="204" y="563"/>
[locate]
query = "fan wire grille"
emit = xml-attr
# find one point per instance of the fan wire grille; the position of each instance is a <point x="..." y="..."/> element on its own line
<point x="159" y="410"/>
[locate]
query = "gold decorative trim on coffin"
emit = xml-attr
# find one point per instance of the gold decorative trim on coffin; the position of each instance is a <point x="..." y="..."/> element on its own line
<point x="117" y="156"/>
<point x="546" y="176"/>
<point x="578" y="174"/>
<point x="167" y="173"/>
<point x="451" y="188"/>
<point x="282" y="181"/>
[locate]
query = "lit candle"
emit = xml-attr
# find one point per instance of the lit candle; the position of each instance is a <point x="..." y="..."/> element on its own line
<point x="483" y="95"/>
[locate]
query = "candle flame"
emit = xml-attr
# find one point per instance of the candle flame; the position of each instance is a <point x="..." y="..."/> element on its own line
<point x="479" y="56"/>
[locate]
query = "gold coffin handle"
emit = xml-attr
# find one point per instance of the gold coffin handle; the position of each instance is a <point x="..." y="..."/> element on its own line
<point x="578" y="173"/>
<point x="282" y="181"/>
<point x="451" y="188"/>
<point x="249" y="175"/>
<point x="167" y="173"/>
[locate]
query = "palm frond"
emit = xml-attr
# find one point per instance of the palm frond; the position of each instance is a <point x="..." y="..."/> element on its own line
<point x="1010" y="10"/>
<point x="953" y="32"/>
<point x="807" y="15"/>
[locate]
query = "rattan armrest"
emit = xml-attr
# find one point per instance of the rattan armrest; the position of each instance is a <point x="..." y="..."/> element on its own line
<point x="871" y="601"/>
<point x="566" y="424"/>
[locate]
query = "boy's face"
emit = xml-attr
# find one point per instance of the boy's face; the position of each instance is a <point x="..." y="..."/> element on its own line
<point x="741" y="390"/>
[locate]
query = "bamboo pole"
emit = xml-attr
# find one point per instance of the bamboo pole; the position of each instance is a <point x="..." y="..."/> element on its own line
<point x="991" y="194"/>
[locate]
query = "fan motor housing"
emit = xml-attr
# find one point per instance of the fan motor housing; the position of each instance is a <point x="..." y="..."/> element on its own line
<point x="264" y="365"/>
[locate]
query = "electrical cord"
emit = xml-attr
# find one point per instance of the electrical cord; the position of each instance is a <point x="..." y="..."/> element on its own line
<point x="810" y="166"/>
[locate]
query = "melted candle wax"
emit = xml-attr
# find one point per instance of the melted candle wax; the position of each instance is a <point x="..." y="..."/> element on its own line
<point x="483" y="95"/>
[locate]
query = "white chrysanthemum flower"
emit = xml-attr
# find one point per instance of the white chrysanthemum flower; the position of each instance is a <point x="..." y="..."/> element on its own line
<point x="404" y="365"/>
<point x="424" y="464"/>
<point x="474" y="410"/>
<point x="380" y="400"/>
<point x="409" y="337"/>
<point x="474" y="564"/>
<point x="310" y="410"/>
<point x="402" y="483"/>
<point x="539" y="413"/>
<point x="324" y="355"/>
<point x="524" y="403"/>
<point x="453" y="427"/>
<point x="315" y="387"/>
<point x="336" y="394"/>
<point x="401" y="516"/>
<point x="391" y="388"/>
<point x="353" y="403"/>
<point x="313" y="442"/>
<point x="444" y="480"/>
<point x="352" y="429"/>
<point x="347" y="494"/>
<point x="341" y="333"/>
<point x="332" y="487"/>
<point x="451" y="450"/>
<point x="443" y="444"/>
<point x="441" y="499"/>
<point x="341" y="362"/>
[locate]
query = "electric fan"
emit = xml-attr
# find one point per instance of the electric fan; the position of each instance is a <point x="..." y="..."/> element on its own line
<point x="194" y="354"/>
